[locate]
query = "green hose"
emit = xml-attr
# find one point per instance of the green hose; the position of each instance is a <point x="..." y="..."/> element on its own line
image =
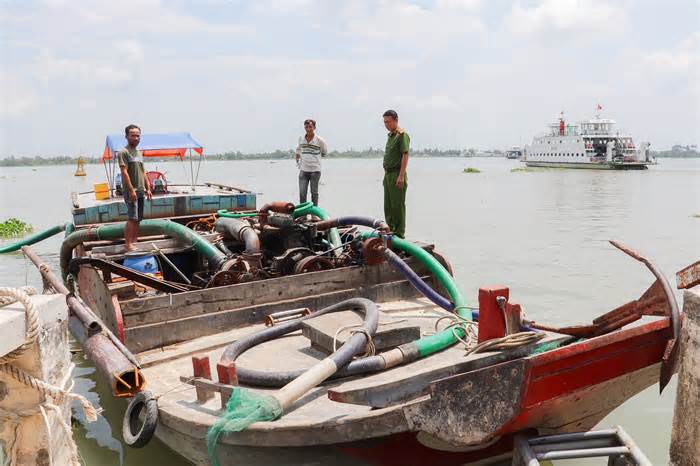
<point x="146" y="228"/>
<point x="448" y="337"/>
<point x="227" y="214"/>
<point x="35" y="238"/>
<point x="308" y="208"/>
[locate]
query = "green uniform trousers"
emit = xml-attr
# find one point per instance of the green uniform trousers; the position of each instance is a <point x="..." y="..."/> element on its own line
<point x="395" y="203"/>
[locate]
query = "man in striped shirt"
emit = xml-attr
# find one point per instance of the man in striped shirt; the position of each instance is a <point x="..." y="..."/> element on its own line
<point x="310" y="149"/>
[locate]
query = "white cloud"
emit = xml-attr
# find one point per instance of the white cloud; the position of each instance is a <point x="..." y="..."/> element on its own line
<point x="132" y="16"/>
<point x="131" y="51"/>
<point x="588" y="17"/>
<point x="459" y="4"/>
<point x="17" y="99"/>
<point x="412" y="26"/>
<point x="684" y="58"/>
<point x="116" y="68"/>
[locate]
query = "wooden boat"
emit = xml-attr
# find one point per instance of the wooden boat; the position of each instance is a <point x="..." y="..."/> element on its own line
<point x="444" y="409"/>
<point x="213" y="286"/>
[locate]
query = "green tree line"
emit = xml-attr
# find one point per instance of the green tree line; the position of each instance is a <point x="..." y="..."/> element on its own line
<point x="676" y="151"/>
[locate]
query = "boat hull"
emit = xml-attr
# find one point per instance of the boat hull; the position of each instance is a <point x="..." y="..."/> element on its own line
<point x="590" y="166"/>
<point x="564" y="390"/>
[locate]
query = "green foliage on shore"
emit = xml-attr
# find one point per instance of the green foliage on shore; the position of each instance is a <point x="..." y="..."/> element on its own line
<point x="14" y="227"/>
<point x="678" y="152"/>
<point x="278" y="154"/>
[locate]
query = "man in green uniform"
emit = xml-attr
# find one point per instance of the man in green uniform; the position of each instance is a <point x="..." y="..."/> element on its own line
<point x="135" y="184"/>
<point x="395" y="180"/>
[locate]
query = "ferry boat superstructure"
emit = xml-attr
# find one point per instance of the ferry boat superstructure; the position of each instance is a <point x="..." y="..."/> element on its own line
<point x="593" y="143"/>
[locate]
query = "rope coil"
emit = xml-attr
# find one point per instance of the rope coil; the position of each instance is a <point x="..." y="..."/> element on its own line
<point x="11" y="295"/>
<point x="471" y="336"/>
<point x="370" y="349"/>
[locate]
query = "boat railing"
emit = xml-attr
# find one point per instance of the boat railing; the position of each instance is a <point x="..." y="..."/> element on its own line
<point x="614" y="443"/>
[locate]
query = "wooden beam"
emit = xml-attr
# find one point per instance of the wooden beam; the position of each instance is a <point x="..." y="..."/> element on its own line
<point x="145" y="337"/>
<point x="211" y="300"/>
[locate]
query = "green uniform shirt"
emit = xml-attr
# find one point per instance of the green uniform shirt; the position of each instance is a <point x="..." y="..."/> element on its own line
<point x="396" y="145"/>
<point x="132" y="159"/>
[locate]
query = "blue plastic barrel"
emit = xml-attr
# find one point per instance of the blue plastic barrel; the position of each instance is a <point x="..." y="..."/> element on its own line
<point x="143" y="264"/>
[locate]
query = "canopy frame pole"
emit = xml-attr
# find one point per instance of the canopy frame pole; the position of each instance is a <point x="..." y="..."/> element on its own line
<point x="199" y="165"/>
<point x="191" y="170"/>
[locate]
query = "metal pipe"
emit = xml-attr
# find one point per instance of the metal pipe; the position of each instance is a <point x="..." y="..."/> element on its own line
<point x="123" y="376"/>
<point x="350" y="221"/>
<point x="572" y="436"/>
<point x="602" y="442"/>
<point x="223" y="248"/>
<point x="165" y="258"/>
<point x="280" y="207"/>
<point x="635" y="451"/>
<point x="83" y="313"/>
<point x="239" y="230"/>
<point x="670" y="357"/>
<point x="586" y="453"/>
<point x="522" y="448"/>
<point x="668" y="291"/>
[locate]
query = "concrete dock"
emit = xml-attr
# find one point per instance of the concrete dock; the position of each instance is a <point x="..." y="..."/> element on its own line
<point x="35" y="403"/>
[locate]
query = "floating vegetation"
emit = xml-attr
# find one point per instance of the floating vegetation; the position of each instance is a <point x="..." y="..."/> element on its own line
<point x="696" y="215"/>
<point x="522" y="169"/>
<point x="472" y="170"/>
<point x="14" y="227"/>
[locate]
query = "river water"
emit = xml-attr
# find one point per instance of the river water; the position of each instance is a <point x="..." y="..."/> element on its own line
<point x="544" y="233"/>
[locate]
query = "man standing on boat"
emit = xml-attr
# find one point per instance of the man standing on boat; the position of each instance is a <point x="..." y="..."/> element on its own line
<point x="310" y="149"/>
<point x="395" y="180"/>
<point x="135" y="183"/>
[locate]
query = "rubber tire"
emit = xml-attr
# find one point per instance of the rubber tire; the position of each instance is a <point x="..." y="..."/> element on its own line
<point x="143" y="400"/>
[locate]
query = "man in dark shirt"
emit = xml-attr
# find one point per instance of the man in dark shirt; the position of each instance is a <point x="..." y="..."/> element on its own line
<point x="395" y="179"/>
<point x="135" y="184"/>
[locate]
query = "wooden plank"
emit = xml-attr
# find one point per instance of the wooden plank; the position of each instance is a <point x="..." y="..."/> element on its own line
<point x="178" y="306"/>
<point x="97" y="296"/>
<point x="123" y="290"/>
<point x="323" y="331"/>
<point x="146" y="337"/>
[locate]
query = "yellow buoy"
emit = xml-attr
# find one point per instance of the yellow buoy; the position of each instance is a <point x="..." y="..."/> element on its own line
<point x="80" y="171"/>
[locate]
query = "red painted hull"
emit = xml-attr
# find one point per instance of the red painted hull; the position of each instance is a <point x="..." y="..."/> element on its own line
<point x="568" y="389"/>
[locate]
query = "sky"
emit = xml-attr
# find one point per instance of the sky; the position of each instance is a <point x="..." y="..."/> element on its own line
<point x="243" y="75"/>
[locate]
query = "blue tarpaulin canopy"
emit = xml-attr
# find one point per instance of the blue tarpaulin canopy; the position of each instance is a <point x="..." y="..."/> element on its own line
<point x="155" y="145"/>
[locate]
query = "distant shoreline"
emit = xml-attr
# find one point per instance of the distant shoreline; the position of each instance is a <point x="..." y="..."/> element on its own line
<point x="282" y="155"/>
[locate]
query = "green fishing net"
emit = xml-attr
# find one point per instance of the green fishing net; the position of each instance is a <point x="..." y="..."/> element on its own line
<point x="243" y="409"/>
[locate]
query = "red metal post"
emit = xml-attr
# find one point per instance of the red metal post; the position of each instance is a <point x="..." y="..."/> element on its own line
<point x="201" y="368"/>
<point x="227" y="373"/>
<point x="492" y="323"/>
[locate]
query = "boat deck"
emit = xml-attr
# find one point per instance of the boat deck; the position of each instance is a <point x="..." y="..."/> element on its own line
<point x="314" y="419"/>
<point x="180" y="201"/>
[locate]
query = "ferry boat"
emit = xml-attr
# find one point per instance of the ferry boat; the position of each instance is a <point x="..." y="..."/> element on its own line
<point x="593" y="143"/>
